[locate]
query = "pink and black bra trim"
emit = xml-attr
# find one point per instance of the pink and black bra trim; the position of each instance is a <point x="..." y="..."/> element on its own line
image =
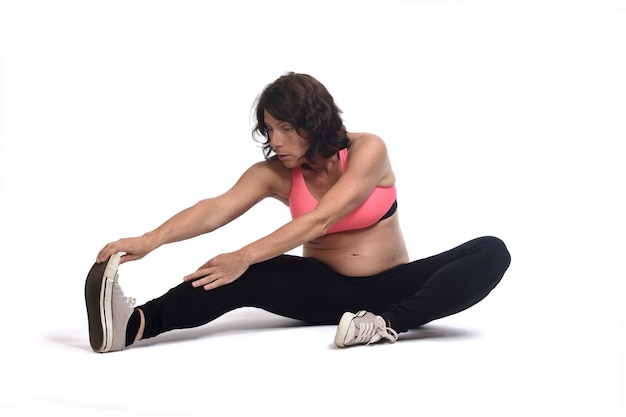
<point x="380" y="204"/>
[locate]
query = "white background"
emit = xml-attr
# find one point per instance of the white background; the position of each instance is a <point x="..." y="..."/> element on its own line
<point x="503" y="118"/>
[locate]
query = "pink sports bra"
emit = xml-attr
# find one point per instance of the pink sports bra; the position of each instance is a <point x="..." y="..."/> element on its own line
<point x="379" y="205"/>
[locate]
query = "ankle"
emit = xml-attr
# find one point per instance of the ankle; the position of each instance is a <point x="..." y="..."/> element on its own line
<point x="142" y="325"/>
<point x="134" y="327"/>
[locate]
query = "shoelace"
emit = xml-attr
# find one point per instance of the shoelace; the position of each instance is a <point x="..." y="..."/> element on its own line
<point x="129" y="301"/>
<point x="372" y="332"/>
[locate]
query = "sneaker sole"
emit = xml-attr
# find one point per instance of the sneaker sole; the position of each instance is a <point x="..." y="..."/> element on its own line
<point x="98" y="291"/>
<point x="342" y="329"/>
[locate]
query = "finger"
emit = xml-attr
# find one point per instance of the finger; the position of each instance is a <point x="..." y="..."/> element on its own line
<point x="101" y="255"/>
<point x="106" y="253"/>
<point x="191" y="277"/>
<point x="201" y="282"/>
<point x="201" y="273"/>
<point x="213" y="285"/>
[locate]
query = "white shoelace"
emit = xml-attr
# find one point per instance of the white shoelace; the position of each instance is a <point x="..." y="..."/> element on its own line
<point x="372" y="332"/>
<point x="129" y="301"/>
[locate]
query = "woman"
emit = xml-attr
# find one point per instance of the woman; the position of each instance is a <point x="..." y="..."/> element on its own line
<point x="340" y="189"/>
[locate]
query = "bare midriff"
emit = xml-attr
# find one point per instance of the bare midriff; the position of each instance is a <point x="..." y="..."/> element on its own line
<point x="362" y="252"/>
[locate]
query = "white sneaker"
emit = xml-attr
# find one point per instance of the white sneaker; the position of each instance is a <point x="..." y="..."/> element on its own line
<point x="362" y="328"/>
<point x="108" y="309"/>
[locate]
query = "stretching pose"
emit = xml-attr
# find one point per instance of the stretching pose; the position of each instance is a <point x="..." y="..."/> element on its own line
<point x="355" y="269"/>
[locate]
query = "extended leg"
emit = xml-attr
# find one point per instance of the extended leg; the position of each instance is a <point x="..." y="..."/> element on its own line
<point x="290" y="286"/>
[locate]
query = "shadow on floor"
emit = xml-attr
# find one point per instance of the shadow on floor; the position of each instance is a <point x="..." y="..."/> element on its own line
<point x="433" y="331"/>
<point x="234" y="324"/>
<point x="249" y="322"/>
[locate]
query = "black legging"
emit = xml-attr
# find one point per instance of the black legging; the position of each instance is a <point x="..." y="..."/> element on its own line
<point x="406" y="296"/>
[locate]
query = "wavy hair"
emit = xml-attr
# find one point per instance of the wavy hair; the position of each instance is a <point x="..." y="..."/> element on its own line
<point x="304" y="102"/>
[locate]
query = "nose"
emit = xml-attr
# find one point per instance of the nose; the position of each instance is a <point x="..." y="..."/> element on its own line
<point x="275" y="140"/>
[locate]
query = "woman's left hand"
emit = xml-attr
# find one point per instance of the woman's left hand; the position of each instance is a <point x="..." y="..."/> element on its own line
<point x="221" y="270"/>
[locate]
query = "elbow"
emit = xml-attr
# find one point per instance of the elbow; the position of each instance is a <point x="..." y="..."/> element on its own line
<point x="315" y="230"/>
<point x="322" y="226"/>
<point x="322" y="231"/>
<point x="317" y="224"/>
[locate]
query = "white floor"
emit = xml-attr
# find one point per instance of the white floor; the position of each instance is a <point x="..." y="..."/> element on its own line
<point x="501" y="117"/>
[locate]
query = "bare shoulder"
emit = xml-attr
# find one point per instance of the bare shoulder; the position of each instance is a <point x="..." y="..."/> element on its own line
<point x="272" y="176"/>
<point x="371" y="152"/>
<point x="368" y="145"/>
<point x="364" y="137"/>
<point x="367" y="142"/>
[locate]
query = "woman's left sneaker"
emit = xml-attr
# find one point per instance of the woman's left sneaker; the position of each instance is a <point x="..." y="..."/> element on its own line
<point x="108" y="309"/>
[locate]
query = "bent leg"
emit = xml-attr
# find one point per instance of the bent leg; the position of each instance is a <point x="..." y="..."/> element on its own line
<point x="448" y="283"/>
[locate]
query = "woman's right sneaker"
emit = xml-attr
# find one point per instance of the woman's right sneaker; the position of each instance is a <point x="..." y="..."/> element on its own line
<point x="362" y="328"/>
<point x="108" y="309"/>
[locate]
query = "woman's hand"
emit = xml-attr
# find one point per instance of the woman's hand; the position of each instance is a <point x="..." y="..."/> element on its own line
<point x="221" y="270"/>
<point x="133" y="248"/>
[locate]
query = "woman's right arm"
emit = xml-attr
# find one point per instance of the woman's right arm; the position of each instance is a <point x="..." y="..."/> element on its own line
<point x="258" y="182"/>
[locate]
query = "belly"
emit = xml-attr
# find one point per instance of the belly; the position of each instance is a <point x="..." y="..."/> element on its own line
<point x="364" y="252"/>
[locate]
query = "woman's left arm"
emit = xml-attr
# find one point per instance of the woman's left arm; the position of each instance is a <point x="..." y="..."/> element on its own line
<point x="367" y="166"/>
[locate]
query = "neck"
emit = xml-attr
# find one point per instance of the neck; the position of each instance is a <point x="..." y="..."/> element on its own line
<point x="323" y="165"/>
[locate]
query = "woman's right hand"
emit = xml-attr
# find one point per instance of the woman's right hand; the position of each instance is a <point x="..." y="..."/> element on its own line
<point x="132" y="248"/>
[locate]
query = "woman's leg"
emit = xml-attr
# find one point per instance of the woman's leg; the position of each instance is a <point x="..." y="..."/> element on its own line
<point x="291" y="286"/>
<point x="406" y="296"/>
<point x="444" y="284"/>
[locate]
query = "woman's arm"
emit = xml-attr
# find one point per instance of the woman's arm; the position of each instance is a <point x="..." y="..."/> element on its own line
<point x="258" y="182"/>
<point x="368" y="165"/>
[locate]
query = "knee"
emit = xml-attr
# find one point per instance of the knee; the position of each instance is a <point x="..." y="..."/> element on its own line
<point x="496" y="250"/>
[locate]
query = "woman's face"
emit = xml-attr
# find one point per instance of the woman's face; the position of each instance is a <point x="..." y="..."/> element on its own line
<point x="289" y="146"/>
